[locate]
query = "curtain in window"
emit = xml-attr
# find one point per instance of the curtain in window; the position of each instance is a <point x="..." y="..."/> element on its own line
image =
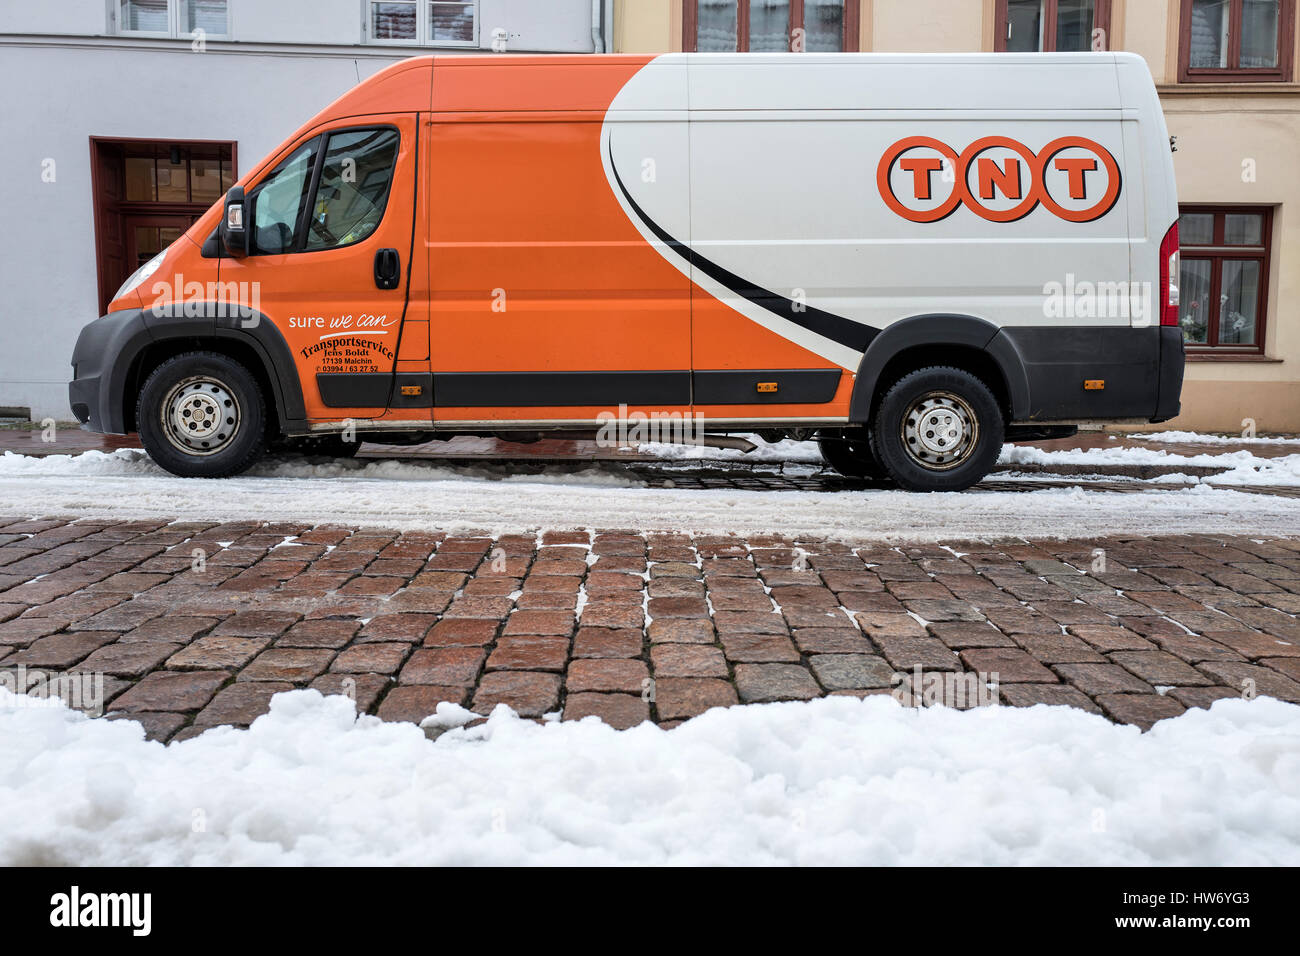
<point x="716" y="31"/>
<point x="823" y="22"/>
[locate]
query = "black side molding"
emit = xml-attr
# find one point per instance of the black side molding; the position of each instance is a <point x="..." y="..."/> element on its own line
<point x="371" y="389"/>
<point x="544" y="389"/>
<point x="799" y="386"/>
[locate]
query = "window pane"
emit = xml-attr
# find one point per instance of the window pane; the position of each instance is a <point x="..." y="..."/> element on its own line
<point x="139" y="179"/>
<point x="393" y="20"/>
<point x="1196" y="229"/>
<point x="1243" y="229"/>
<point x="1258" y="34"/>
<point x="715" y="30"/>
<point x="167" y="236"/>
<point x="1024" y="26"/>
<point x="1238" y="301"/>
<point x="353" y="187"/>
<point x="148" y="15"/>
<point x="227" y="174"/>
<point x="147" y="244"/>
<point x="206" y="15"/>
<point x="173" y="185"/>
<point x="823" y="23"/>
<point x="279" y="199"/>
<point x="1194" y="300"/>
<point x="1074" y="20"/>
<point x="1209" y="28"/>
<point x="452" y="23"/>
<point x="769" y="26"/>
<point x="205" y="180"/>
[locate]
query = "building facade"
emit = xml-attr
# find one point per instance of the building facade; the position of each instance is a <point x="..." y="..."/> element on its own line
<point x="1225" y="71"/>
<point x="135" y="115"/>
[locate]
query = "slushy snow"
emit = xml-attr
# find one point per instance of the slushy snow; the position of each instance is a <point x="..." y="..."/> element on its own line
<point x="830" y="781"/>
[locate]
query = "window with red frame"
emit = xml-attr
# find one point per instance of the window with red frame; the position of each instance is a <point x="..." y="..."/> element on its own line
<point x="770" y="26"/>
<point x="1045" y="26"/>
<point x="1239" y="41"/>
<point x="1223" y="277"/>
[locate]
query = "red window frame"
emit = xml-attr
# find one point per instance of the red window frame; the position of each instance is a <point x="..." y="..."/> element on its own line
<point x="1100" y="20"/>
<point x="1233" y="73"/>
<point x="690" y="22"/>
<point x="1218" y="253"/>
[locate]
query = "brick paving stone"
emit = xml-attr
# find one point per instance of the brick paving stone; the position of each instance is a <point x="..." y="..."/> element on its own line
<point x="679" y="631"/>
<point x="669" y="607"/>
<point x="1058" y="649"/>
<point x="677" y="698"/>
<point x="157" y="725"/>
<point x="171" y="691"/>
<point x="687" y="660"/>
<point x="212" y="653"/>
<point x="1142" y="710"/>
<point x="529" y="694"/>
<point x="414" y="702"/>
<point x="960" y="635"/>
<point x="1253" y="644"/>
<point x="606" y="675"/>
<point x="409" y="627"/>
<point x="1010" y="665"/>
<point x="61" y="650"/>
<point x="445" y="666"/>
<point x="620" y="711"/>
<point x="598" y="615"/>
<point x="758" y="683"/>
<point x="524" y="623"/>
<point x="759" y="648"/>
<point x="851" y="671"/>
<point x="173" y="630"/>
<point x="494" y="608"/>
<point x="370" y="659"/>
<point x="326" y="633"/>
<point x="1053" y="695"/>
<point x="1094" y="679"/>
<point x="240" y="704"/>
<point x="1262" y="680"/>
<point x="1160" y="668"/>
<point x="1194" y="649"/>
<point x="462" y="632"/>
<point x="945" y="610"/>
<point x="364" y="689"/>
<point x="295" y="665"/>
<point x="133" y="659"/>
<point x="539" y="653"/>
<point x="268" y="624"/>
<point x="1105" y="638"/>
<point x="607" y="642"/>
<point x="1203" y="696"/>
<point x="906" y="653"/>
<point x="889" y="625"/>
<point x="736" y="622"/>
<point x="1290" y="666"/>
<point x="831" y="640"/>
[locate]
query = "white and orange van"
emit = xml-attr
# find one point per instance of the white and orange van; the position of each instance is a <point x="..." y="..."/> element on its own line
<point x="910" y="258"/>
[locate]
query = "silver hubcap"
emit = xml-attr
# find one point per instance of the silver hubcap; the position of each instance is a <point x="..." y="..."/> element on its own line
<point x="200" y="416"/>
<point x="940" y="431"/>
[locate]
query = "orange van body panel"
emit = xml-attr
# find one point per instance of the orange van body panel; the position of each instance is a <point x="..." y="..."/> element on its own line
<point x="524" y="260"/>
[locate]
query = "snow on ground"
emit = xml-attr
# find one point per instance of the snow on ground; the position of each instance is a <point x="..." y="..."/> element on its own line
<point x="418" y="494"/>
<point x="1243" y="468"/>
<point x="831" y="781"/>
<point x="1205" y="438"/>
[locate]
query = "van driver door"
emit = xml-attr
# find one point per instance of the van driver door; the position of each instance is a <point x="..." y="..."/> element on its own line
<point x="330" y="265"/>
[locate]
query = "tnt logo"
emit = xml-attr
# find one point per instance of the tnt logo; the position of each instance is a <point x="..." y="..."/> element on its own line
<point x="998" y="179"/>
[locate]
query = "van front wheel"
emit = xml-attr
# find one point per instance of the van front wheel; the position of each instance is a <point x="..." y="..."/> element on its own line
<point x="938" y="429"/>
<point x="201" y="415"/>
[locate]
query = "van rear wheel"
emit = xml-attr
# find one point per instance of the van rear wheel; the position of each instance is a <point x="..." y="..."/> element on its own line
<point x="201" y="415"/>
<point x="938" y="429"/>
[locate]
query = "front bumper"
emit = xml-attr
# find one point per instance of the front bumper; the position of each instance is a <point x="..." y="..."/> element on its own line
<point x="101" y="364"/>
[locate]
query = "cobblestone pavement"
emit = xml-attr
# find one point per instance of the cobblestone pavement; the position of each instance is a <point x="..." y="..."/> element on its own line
<point x="195" y="625"/>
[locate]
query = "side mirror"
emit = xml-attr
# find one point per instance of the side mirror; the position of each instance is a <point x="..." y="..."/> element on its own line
<point x="234" y="224"/>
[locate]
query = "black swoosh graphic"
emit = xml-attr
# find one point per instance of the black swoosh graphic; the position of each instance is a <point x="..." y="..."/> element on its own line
<point x="837" y="328"/>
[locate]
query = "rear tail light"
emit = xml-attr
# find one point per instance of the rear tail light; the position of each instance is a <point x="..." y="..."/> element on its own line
<point x="1169" y="277"/>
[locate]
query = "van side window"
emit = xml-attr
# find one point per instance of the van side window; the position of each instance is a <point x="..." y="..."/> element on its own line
<point x="279" y="201"/>
<point x="354" y="184"/>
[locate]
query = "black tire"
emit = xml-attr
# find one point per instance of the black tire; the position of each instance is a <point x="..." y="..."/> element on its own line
<point x="849" y="452"/>
<point x="201" y="415"/>
<point x="938" y="429"/>
<point x="332" y="446"/>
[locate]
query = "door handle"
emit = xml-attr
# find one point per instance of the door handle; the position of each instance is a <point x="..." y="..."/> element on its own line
<point x="388" y="269"/>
